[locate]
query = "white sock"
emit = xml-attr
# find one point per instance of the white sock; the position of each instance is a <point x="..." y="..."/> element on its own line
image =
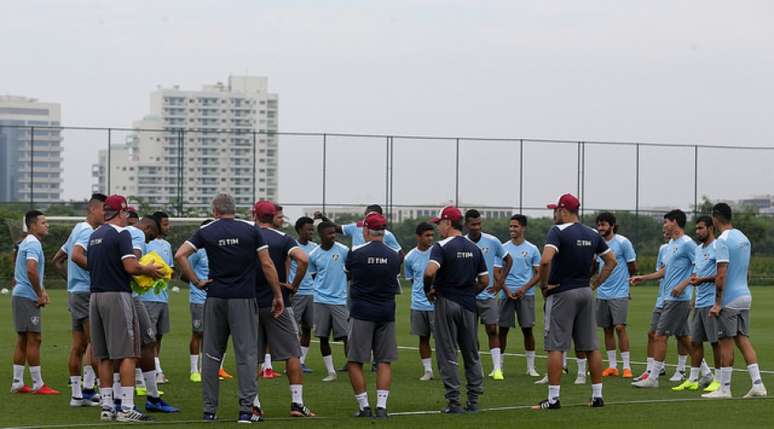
<point x="716" y="376"/>
<point x="530" y="360"/>
<point x="427" y="364"/>
<point x="651" y="361"/>
<point x="18" y="374"/>
<point x="194" y="363"/>
<point x="222" y="360"/>
<point x="257" y="401"/>
<point x="297" y="393"/>
<point x="755" y="373"/>
<point x="139" y="380"/>
<point x="117" y="385"/>
<point x="304" y="351"/>
<point x="150" y="383"/>
<point x="88" y="377"/>
<point x="106" y="397"/>
<point x="596" y="390"/>
<point x="267" y="361"/>
<point x="127" y="398"/>
<point x="75" y="386"/>
<point x="657" y="367"/>
<point x="362" y="400"/>
<point x="564" y="359"/>
<point x="694" y="374"/>
<point x="328" y="361"/>
<point x="725" y="378"/>
<point x="704" y="368"/>
<point x="612" y="362"/>
<point x="157" y="361"/>
<point x="627" y="362"/>
<point x="553" y="393"/>
<point x="582" y="367"/>
<point x="37" y="379"/>
<point x="381" y="398"/>
<point x="681" y="360"/>
<point x="496" y="358"/>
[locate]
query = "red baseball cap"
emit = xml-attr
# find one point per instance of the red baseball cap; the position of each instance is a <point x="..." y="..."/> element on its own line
<point x="449" y="212"/>
<point x="566" y="201"/>
<point x="113" y="205"/>
<point x="264" y="208"/>
<point x="375" y="222"/>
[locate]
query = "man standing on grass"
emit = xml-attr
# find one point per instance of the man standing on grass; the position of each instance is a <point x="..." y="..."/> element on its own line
<point x="732" y="304"/>
<point x="612" y="302"/>
<point x="571" y="250"/>
<point x="232" y="246"/>
<point x="455" y="275"/>
<point x="28" y="297"/>
<point x="517" y="299"/>
<point x="373" y="269"/>
<point x="303" y="300"/>
<point x="422" y="316"/>
<point x="354" y="230"/>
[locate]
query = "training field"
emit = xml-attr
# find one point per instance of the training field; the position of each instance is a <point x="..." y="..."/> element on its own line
<point x="412" y="403"/>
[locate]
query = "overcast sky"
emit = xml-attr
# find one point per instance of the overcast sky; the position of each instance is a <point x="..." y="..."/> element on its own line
<point x="694" y="72"/>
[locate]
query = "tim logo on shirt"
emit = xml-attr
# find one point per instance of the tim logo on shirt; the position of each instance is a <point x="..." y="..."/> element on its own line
<point x="464" y="255"/>
<point x="228" y="242"/>
<point x="583" y="243"/>
<point x="374" y="260"/>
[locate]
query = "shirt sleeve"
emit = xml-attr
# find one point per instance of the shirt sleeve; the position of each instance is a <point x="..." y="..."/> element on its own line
<point x="721" y="252"/>
<point x="629" y="253"/>
<point x="552" y="239"/>
<point x="601" y="247"/>
<point x="260" y="243"/>
<point x="348" y="262"/>
<point x="170" y="256"/>
<point x="392" y="242"/>
<point x="482" y="270"/>
<point x="408" y="269"/>
<point x="196" y="240"/>
<point x="82" y="239"/>
<point x="535" y="257"/>
<point x="125" y="245"/>
<point x="28" y="253"/>
<point x="312" y="268"/>
<point x="691" y="251"/>
<point x="436" y="255"/>
<point x="290" y="244"/>
<point x="138" y="240"/>
<point x="348" y="229"/>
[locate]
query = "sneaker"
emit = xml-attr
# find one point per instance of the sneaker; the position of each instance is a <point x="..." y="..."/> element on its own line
<point x="91" y="394"/>
<point x="662" y="372"/>
<point x="643" y="376"/>
<point x="157" y="405"/>
<point x="545" y="405"/>
<point x="686" y="385"/>
<point x="142" y="391"/>
<point x="223" y="375"/>
<point x="344" y="368"/>
<point x="498" y="375"/>
<point x="269" y="373"/>
<point x="299" y="410"/>
<point x="365" y="412"/>
<point x="45" y="390"/>
<point x="627" y="373"/>
<point x="678" y="376"/>
<point x="196" y="377"/>
<point x="331" y="377"/>
<point x="718" y="394"/>
<point x="83" y="402"/>
<point x="427" y="376"/>
<point x="610" y="372"/>
<point x="306" y="369"/>
<point x="453" y="409"/>
<point x="471" y="408"/>
<point x="209" y="417"/>
<point x="532" y="373"/>
<point x="705" y="381"/>
<point x="248" y="417"/>
<point x="107" y="414"/>
<point x="597" y="403"/>
<point x="491" y="373"/>
<point x="581" y="379"/>
<point x="648" y="383"/>
<point x="381" y="413"/>
<point x="543" y="380"/>
<point x="20" y="388"/>
<point x="161" y="378"/>
<point x="132" y="416"/>
<point x="257" y="413"/>
<point x="565" y="370"/>
<point x="714" y="386"/>
<point x="757" y="391"/>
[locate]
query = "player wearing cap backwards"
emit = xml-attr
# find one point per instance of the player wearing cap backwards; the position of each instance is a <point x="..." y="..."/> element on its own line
<point x="612" y="302"/>
<point x="303" y="300"/>
<point x="267" y="371"/>
<point x="422" y="310"/>
<point x="354" y="230"/>
<point x="454" y="276"/>
<point x="278" y="333"/>
<point x="570" y="252"/>
<point x="115" y="329"/>
<point x="373" y="269"/>
<point x="78" y="294"/>
<point x="28" y="297"/>
<point x="232" y="246"/>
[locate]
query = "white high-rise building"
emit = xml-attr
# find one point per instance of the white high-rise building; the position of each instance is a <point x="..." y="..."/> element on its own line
<point x="228" y="145"/>
<point x="18" y="117"/>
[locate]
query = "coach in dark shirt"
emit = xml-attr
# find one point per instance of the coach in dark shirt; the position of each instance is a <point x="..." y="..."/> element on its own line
<point x="570" y="251"/>
<point x="455" y="274"/>
<point x="230" y="308"/>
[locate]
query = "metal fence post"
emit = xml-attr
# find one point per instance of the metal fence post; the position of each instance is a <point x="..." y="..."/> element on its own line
<point x="255" y="195"/>
<point x="695" y="181"/>
<point x="324" y="168"/>
<point x="521" y="176"/>
<point x="107" y="171"/>
<point x="32" y="168"/>
<point x="457" y="176"/>
<point x="637" y="194"/>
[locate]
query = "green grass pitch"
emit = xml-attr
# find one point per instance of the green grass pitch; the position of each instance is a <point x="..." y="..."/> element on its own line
<point x="334" y="402"/>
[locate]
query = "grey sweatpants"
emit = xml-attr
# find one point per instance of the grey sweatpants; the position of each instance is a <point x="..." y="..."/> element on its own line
<point x="224" y="317"/>
<point x="456" y="327"/>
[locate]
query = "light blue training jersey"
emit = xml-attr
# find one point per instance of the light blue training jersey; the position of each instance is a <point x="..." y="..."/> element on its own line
<point x="733" y="248"/>
<point x="201" y="267"/>
<point x="78" y="279"/>
<point x="414" y="270"/>
<point x="355" y="231"/>
<point x="307" y="284"/>
<point x="30" y="249"/>
<point x="493" y="252"/>
<point x="616" y="286"/>
<point x="663" y="255"/>
<point x="526" y="257"/>
<point x="164" y="249"/>
<point x="330" y="279"/>
<point x="705" y="266"/>
<point x="679" y="268"/>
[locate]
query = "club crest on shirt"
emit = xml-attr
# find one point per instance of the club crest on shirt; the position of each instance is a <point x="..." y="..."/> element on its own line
<point x="484" y="250"/>
<point x="335" y="257"/>
<point x="524" y="254"/>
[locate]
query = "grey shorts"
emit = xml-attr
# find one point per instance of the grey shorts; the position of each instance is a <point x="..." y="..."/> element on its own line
<point x="114" y="326"/>
<point x="523" y="309"/>
<point x="329" y="317"/>
<point x="674" y="319"/>
<point x="147" y="328"/>
<point x="277" y="335"/>
<point x="612" y="312"/>
<point x="303" y="309"/>
<point x="733" y="322"/>
<point x="569" y="315"/>
<point x="197" y="318"/>
<point x="422" y="323"/>
<point x="78" y="305"/>
<point x="26" y="315"/>
<point x="655" y="318"/>
<point x="703" y="327"/>
<point x="366" y="337"/>
<point x="487" y="311"/>
<point x="159" y="315"/>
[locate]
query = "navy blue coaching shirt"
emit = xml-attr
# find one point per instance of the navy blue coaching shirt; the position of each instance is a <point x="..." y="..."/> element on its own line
<point x="231" y="246"/>
<point x="460" y="262"/>
<point x="577" y="247"/>
<point x="280" y="245"/>
<point x="109" y="245"/>
<point x="374" y="269"/>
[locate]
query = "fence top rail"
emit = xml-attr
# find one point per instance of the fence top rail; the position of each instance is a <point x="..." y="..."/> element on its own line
<point x="393" y="136"/>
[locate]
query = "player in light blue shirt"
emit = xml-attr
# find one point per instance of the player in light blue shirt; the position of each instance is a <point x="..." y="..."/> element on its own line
<point x="498" y="263"/>
<point x="422" y="310"/>
<point x="303" y="299"/>
<point x="354" y="230"/>
<point x="732" y="303"/>
<point x="196" y="298"/>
